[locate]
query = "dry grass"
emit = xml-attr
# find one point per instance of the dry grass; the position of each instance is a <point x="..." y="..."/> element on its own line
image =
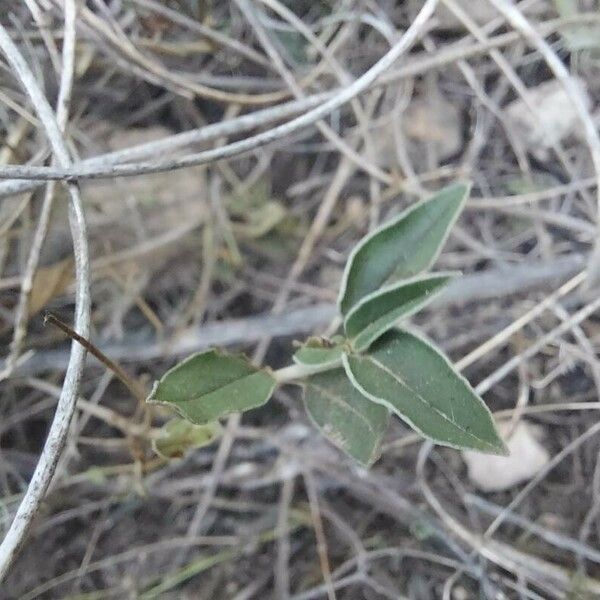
<point x="232" y="251"/>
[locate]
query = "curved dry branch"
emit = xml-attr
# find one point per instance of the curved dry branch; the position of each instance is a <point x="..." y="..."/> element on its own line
<point x="64" y="69"/>
<point x="246" y="145"/>
<point x="262" y="117"/>
<point x="57" y="435"/>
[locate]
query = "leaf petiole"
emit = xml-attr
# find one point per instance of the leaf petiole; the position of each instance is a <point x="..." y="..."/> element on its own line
<point x="299" y="371"/>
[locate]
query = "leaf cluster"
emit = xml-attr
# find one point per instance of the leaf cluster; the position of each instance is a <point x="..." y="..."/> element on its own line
<point x="355" y="381"/>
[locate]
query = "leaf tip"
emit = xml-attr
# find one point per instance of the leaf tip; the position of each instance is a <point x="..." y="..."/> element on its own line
<point x="496" y="446"/>
<point x="464" y="187"/>
<point x="501" y="448"/>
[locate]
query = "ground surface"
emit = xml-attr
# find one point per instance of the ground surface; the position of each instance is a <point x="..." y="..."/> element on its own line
<point x="253" y="246"/>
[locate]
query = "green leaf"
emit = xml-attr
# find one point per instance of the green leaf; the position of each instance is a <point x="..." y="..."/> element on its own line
<point x="209" y="385"/>
<point x="403" y="247"/>
<point x="317" y="351"/>
<point x="177" y="436"/>
<point x="346" y="418"/>
<point x="380" y="311"/>
<point x="410" y="377"/>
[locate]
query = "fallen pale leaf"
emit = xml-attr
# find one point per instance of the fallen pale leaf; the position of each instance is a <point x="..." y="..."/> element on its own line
<point x="555" y="116"/>
<point x="48" y="282"/>
<point x="527" y="457"/>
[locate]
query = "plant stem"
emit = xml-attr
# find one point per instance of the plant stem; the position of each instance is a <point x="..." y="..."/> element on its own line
<point x="295" y="372"/>
<point x="131" y="384"/>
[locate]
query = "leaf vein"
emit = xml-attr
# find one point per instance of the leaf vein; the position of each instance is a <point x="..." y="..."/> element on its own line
<point x="441" y="414"/>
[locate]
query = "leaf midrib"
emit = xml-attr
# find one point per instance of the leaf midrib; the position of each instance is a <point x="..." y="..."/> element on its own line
<point x="340" y="402"/>
<point x="223" y="388"/>
<point x="428" y="404"/>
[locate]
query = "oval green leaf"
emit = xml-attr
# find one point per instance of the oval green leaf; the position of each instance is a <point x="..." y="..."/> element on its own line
<point x="403" y="247"/>
<point x="317" y="351"/>
<point x="380" y="311"/>
<point x="344" y="416"/>
<point x="178" y="436"/>
<point x="407" y="375"/>
<point x="212" y="384"/>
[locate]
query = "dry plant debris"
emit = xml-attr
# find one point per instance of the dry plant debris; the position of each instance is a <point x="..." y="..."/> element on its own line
<point x="226" y="157"/>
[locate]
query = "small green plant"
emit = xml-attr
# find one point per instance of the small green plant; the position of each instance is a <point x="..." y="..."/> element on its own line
<point x="354" y="381"/>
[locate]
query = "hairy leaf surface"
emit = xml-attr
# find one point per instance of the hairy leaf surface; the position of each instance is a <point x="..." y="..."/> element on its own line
<point x="212" y="384"/>
<point x="346" y="417"/>
<point x="316" y="351"/>
<point x="403" y="247"/>
<point x="380" y="311"/>
<point x="407" y="375"/>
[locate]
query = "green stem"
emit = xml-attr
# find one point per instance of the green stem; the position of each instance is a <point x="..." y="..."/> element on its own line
<point x="295" y="372"/>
